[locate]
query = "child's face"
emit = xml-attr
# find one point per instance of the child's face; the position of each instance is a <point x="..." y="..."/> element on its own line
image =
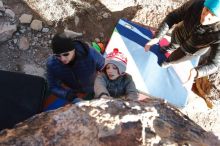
<point x="207" y="17"/>
<point x="112" y="71"/>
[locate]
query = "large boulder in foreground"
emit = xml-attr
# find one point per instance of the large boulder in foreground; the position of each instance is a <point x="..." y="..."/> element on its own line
<point x="66" y="126"/>
<point x="110" y="123"/>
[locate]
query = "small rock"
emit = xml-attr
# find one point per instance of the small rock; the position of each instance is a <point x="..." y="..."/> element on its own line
<point x="50" y="23"/>
<point x="10" y="42"/>
<point x="71" y="34"/>
<point x="6" y="31"/>
<point x="33" y="70"/>
<point x="1" y="4"/>
<point x="22" y="27"/>
<point x="35" y="39"/>
<point x="29" y="34"/>
<point x="23" y="43"/>
<point x="2" y="8"/>
<point x="25" y="18"/>
<point x="99" y="18"/>
<point x="28" y="28"/>
<point x="16" y="69"/>
<point x="97" y="4"/>
<point x="22" y="30"/>
<point x="45" y="30"/>
<point x="33" y="43"/>
<point x="15" y="56"/>
<point x="36" y="25"/>
<point x="13" y="20"/>
<point x="10" y="13"/>
<point x="39" y="35"/>
<point x="97" y="40"/>
<point x="11" y="47"/>
<point x="101" y="34"/>
<point x="45" y="44"/>
<point x="15" y="41"/>
<point x="105" y="15"/>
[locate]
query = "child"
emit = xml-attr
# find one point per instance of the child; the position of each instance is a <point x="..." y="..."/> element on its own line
<point x="113" y="81"/>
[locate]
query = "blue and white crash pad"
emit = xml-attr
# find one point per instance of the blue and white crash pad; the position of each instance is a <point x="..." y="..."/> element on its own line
<point x="149" y="77"/>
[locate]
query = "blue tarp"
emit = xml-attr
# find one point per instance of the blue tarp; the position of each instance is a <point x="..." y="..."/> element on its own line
<point x="149" y="77"/>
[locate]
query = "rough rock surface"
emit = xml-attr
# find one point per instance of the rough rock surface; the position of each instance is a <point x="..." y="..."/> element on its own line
<point x="110" y="123"/>
<point x="67" y="126"/>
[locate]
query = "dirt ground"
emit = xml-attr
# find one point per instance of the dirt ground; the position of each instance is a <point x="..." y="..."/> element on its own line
<point x="90" y="26"/>
<point x="95" y="24"/>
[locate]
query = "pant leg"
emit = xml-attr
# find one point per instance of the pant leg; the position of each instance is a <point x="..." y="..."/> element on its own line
<point x="176" y="55"/>
<point x="178" y="36"/>
<point x="180" y="56"/>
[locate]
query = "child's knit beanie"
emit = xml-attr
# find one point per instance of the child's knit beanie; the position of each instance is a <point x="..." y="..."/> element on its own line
<point x="118" y="59"/>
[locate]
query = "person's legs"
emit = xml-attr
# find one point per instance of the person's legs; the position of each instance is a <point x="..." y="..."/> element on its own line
<point x="180" y="56"/>
<point x="170" y="48"/>
<point x="177" y="37"/>
<point x="176" y="55"/>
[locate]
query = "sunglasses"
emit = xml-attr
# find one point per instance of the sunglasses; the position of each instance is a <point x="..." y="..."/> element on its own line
<point x="62" y="54"/>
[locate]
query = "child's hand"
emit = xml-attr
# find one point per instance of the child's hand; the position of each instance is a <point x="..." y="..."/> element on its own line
<point x="142" y="97"/>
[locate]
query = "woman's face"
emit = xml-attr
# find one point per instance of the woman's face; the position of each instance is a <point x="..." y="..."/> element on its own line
<point x="207" y="17"/>
<point x="66" y="57"/>
<point x="112" y="71"/>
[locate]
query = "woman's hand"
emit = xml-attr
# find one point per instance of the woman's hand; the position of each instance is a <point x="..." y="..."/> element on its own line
<point x="151" y="43"/>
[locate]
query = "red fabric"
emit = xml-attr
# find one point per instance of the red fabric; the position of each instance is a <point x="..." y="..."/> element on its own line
<point x="164" y="42"/>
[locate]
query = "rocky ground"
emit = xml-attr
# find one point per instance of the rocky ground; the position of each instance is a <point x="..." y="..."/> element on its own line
<point x="28" y="25"/>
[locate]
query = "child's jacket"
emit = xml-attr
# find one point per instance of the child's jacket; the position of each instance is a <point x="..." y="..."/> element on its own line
<point x="122" y="86"/>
